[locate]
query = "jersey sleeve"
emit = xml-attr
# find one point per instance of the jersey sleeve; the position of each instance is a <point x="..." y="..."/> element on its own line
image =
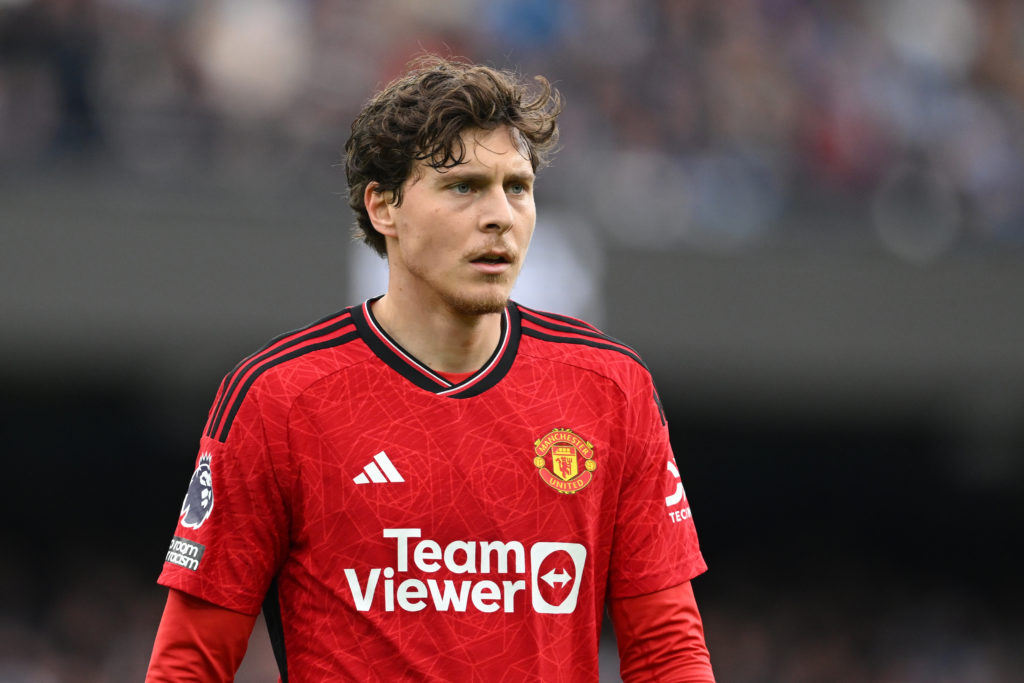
<point x="232" y="530"/>
<point x="198" y="641"/>
<point x="660" y="637"/>
<point x="655" y="545"/>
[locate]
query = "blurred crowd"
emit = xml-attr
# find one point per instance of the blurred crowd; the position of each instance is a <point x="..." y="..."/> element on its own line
<point x="709" y="124"/>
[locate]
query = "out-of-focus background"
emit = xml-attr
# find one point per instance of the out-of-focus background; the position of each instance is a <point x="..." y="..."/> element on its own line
<point x="808" y="217"/>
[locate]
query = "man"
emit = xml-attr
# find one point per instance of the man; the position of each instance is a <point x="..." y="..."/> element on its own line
<point x="440" y="483"/>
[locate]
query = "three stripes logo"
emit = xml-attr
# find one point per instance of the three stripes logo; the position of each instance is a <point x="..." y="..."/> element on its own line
<point x="379" y="471"/>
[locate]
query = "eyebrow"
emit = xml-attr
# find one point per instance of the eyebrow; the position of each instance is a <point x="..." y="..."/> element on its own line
<point x="466" y="175"/>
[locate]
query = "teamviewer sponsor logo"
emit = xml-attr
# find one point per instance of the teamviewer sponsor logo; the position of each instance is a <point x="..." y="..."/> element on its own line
<point x="416" y="580"/>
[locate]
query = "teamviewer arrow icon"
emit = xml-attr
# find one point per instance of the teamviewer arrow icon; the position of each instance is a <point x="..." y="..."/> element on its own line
<point x="567" y="595"/>
<point x="561" y="577"/>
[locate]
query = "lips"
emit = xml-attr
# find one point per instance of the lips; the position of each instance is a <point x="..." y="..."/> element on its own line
<point x="492" y="261"/>
<point x="492" y="257"/>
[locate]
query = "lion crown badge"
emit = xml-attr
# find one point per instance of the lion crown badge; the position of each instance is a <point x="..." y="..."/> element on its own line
<point x="565" y="460"/>
<point x="198" y="503"/>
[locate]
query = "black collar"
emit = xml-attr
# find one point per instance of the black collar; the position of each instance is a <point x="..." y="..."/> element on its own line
<point x="407" y="365"/>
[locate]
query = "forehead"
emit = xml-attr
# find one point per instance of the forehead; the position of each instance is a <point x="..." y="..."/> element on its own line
<point x="499" y="149"/>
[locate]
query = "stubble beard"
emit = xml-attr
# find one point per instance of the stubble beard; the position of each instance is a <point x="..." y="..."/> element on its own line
<point x="464" y="301"/>
<point x="483" y="304"/>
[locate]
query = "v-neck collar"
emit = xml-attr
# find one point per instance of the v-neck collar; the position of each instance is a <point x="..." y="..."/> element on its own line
<point x="412" y="369"/>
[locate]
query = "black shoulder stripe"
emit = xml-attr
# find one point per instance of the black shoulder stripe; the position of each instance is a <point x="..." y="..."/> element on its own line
<point x="593" y="343"/>
<point x="339" y="316"/>
<point x="230" y="384"/>
<point x="575" y="322"/>
<point x="588" y="331"/>
<point x="222" y="434"/>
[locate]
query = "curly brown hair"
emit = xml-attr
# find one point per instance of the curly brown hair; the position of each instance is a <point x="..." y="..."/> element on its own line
<point x="421" y="116"/>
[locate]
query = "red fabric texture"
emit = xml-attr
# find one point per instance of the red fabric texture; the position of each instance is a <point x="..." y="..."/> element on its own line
<point x="661" y="637"/>
<point x="290" y="505"/>
<point x="198" y="641"/>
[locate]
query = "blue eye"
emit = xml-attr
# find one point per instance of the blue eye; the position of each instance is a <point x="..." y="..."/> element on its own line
<point x="462" y="188"/>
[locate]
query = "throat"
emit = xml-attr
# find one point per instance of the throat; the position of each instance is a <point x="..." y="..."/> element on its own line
<point x="457" y="345"/>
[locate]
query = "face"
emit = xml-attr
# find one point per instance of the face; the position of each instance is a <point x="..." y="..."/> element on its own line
<point x="460" y="235"/>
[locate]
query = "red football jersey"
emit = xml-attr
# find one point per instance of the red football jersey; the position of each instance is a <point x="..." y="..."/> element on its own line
<point x="393" y="525"/>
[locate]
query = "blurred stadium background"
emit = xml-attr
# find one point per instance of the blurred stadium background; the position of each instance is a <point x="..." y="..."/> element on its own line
<point x="808" y="216"/>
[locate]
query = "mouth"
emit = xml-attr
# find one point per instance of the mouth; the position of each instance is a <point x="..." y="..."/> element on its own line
<point x="492" y="262"/>
<point x="492" y="259"/>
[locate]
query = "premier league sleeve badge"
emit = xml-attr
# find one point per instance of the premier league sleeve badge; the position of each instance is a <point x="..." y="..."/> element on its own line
<point x="198" y="503"/>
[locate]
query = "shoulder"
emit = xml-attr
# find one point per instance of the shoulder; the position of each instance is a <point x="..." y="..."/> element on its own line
<point x="285" y="366"/>
<point x="572" y="341"/>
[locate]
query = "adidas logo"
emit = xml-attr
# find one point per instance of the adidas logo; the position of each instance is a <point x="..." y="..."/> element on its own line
<point x="380" y="471"/>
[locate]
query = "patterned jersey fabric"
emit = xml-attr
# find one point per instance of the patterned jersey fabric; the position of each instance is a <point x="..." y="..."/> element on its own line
<point x="395" y="525"/>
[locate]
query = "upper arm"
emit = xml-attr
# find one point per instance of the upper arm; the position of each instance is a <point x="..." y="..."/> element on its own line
<point x="655" y="544"/>
<point x="233" y="529"/>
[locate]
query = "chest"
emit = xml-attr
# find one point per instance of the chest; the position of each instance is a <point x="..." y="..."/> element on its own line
<point x="539" y="454"/>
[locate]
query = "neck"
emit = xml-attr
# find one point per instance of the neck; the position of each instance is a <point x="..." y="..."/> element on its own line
<point x="444" y="340"/>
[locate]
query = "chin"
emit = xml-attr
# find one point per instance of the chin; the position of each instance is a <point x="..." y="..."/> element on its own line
<point x="480" y="304"/>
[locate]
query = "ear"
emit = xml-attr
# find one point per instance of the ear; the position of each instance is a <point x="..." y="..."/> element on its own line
<point x="380" y="209"/>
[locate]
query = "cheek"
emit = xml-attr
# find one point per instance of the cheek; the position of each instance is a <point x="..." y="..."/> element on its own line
<point x="528" y="216"/>
<point x="429" y="242"/>
<point x="525" y="234"/>
<point x="414" y="230"/>
<point x="425" y="248"/>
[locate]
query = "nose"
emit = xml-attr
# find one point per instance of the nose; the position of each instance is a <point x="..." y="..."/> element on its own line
<point x="497" y="212"/>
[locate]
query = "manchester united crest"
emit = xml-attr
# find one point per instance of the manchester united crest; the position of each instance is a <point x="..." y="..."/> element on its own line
<point x="565" y="460"/>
